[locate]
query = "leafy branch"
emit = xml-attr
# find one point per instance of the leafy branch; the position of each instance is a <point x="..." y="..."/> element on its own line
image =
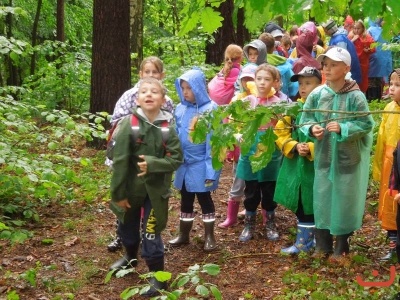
<point x="243" y="122"/>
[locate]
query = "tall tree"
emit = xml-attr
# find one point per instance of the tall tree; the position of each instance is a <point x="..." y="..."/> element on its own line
<point x="223" y="36"/>
<point x="136" y="32"/>
<point x="110" y="55"/>
<point x="34" y="35"/>
<point x="60" y="21"/>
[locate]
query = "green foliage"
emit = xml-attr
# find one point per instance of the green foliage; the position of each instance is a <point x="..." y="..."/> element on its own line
<point x="244" y="126"/>
<point x="184" y="284"/>
<point x="38" y="158"/>
<point x="63" y="83"/>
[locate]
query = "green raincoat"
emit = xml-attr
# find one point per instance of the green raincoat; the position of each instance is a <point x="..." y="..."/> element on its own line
<point x="161" y="160"/>
<point x="341" y="160"/>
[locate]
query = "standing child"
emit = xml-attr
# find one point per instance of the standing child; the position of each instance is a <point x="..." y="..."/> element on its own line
<point x="260" y="186"/>
<point x="236" y="193"/>
<point x="221" y="87"/>
<point x="141" y="178"/>
<point x="342" y="152"/>
<point x="388" y="135"/>
<point x="394" y="93"/>
<point x="196" y="176"/>
<point x="153" y="67"/>
<point x="296" y="176"/>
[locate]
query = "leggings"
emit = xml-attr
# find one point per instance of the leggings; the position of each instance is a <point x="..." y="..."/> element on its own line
<point x="204" y="198"/>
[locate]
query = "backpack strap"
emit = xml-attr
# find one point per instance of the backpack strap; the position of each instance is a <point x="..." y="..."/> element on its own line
<point x="164" y="131"/>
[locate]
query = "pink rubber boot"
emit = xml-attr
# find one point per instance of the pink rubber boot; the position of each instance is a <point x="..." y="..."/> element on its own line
<point x="231" y="215"/>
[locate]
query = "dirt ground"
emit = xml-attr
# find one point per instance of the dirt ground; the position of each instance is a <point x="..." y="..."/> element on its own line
<point x="74" y="264"/>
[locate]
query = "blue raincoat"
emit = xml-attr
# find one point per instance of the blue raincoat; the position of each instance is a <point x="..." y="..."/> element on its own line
<point x="197" y="166"/>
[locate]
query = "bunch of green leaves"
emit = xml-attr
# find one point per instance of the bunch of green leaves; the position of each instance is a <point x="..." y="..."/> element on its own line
<point x="184" y="283"/>
<point x="39" y="159"/>
<point x="243" y="125"/>
<point x="62" y="82"/>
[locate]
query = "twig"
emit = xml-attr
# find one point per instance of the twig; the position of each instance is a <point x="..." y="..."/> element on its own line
<point x="249" y="255"/>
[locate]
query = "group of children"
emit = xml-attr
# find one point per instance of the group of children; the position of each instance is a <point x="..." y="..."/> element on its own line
<point x="319" y="169"/>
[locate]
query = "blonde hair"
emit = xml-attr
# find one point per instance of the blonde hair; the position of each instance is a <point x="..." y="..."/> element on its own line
<point x="152" y="80"/>
<point x="233" y="53"/>
<point x="155" y="61"/>
<point x="270" y="69"/>
<point x="361" y="23"/>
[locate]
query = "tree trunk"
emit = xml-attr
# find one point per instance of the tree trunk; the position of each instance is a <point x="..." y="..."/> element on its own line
<point x="223" y="36"/>
<point x="12" y="78"/>
<point x="243" y="35"/>
<point x="136" y="32"/>
<point x="110" y="56"/>
<point x="60" y="21"/>
<point x="34" y="35"/>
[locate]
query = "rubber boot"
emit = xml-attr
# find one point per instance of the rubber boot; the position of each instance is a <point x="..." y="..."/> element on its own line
<point x="264" y="216"/>
<point x="392" y="248"/>
<point x="342" y="246"/>
<point x="271" y="231"/>
<point x="129" y="260"/>
<point x="231" y="214"/>
<point x="116" y="244"/>
<point x="324" y="241"/>
<point x="249" y="226"/>
<point x="185" y="226"/>
<point x="304" y="239"/>
<point x="155" y="285"/>
<point x="209" y="238"/>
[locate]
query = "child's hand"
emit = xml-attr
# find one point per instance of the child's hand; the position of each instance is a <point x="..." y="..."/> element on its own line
<point x="302" y="149"/>
<point x="397" y="198"/>
<point x="142" y="166"/>
<point x="318" y="132"/>
<point x="124" y="204"/>
<point x="333" y="127"/>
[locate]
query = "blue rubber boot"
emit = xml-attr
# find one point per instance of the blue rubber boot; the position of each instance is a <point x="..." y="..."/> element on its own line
<point x="304" y="239"/>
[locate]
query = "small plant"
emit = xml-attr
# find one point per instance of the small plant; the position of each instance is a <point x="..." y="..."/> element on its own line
<point x="184" y="284"/>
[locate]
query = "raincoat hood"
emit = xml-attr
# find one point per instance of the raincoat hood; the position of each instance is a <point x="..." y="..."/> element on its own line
<point x="197" y="81"/>
<point x="261" y="48"/>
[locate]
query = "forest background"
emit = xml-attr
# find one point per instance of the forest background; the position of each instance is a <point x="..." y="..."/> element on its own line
<point x="64" y="64"/>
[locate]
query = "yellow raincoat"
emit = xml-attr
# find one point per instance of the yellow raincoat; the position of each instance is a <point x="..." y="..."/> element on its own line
<point x="388" y="136"/>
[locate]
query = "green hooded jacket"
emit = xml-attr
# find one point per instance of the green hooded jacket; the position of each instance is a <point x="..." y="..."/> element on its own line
<point x="162" y="161"/>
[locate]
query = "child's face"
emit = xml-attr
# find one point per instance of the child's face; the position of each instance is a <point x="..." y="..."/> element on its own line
<point x="394" y="88"/>
<point x="150" y="70"/>
<point x="150" y="97"/>
<point x="306" y="85"/>
<point x="187" y="92"/>
<point x="252" y="55"/>
<point x="264" y="82"/>
<point x="334" y="71"/>
<point x="244" y="82"/>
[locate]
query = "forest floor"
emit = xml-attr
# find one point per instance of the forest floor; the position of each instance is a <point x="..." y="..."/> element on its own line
<point x="75" y="263"/>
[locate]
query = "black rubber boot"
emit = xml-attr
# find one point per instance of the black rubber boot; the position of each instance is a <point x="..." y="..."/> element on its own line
<point x="323" y="242"/>
<point x="392" y="247"/>
<point x="155" y="285"/>
<point x="129" y="260"/>
<point x="342" y="246"/>
<point x="185" y="226"/>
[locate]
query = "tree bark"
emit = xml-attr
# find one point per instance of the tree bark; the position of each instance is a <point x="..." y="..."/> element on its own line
<point x="136" y="32"/>
<point x="34" y="35"/>
<point x="110" y="56"/>
<point x="243" y="35"/>
<point x="12" y="78"/>
<point x="60" y="21"/>
<point x="223" y="36"/>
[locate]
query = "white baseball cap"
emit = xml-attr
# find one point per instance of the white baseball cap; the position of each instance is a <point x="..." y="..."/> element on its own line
<point x="275" y="33"/>
<point x="336" y="54"/>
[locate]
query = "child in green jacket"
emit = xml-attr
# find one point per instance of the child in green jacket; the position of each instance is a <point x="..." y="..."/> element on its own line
<point x="142" y="177"/>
